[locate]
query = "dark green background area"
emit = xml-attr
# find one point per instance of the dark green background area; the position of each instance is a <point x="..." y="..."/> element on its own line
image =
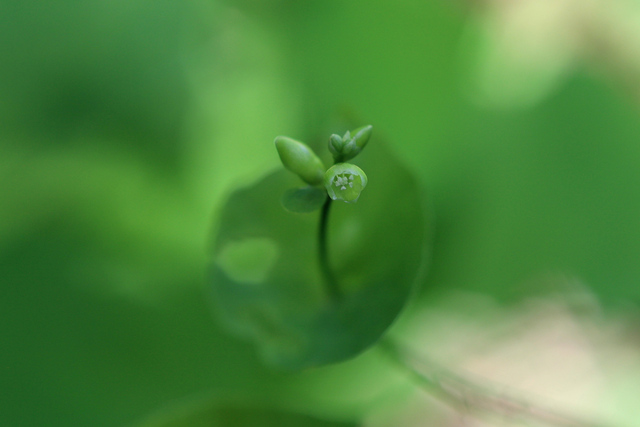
<point x="124" y="126"/>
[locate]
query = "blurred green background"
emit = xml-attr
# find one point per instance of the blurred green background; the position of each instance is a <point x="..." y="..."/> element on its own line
<point x="124" y="125"/>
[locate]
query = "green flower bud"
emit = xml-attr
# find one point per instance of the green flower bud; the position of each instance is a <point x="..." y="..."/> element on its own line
<point x="300" y="159"/>
<point x="347" y="147"/>
<point x="362" y="135"/>
<point x="345" y="181"/>
<point x="335" y="145"/>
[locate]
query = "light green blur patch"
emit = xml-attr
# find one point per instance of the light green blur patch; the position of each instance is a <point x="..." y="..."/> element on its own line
<point x="248" y="260"/>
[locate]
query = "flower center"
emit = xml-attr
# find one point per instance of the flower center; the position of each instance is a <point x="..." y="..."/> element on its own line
<point x="344" y="180"/>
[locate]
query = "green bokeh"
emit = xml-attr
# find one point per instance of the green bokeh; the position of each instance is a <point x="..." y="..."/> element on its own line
<point x="124" y="126"/>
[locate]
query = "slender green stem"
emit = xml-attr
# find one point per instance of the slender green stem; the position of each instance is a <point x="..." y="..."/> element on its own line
<point x="330" y="282"/>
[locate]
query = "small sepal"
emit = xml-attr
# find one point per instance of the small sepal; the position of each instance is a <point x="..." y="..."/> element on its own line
<point x="300" y="159"/>
<point x="345" y="181"/>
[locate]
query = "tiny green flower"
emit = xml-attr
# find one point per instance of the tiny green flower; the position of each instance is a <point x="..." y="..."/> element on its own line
<point x="345" y="181"/>
<point x="300" y="159"/>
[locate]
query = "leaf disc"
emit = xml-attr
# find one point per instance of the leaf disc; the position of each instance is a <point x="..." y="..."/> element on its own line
<point x="376" y="249"/>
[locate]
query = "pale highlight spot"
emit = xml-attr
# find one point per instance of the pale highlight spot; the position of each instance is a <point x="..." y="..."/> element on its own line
<point x="249" y="260"/>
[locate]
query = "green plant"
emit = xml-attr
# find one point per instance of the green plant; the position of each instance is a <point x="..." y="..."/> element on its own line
<point x="309" y="279"/>
<point x="310" y="290"/>
<point x="342" y="181"/>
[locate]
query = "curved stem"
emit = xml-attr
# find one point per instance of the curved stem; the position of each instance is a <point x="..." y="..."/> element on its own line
<point x="466" y="396"/>
<point x="330" y="282"/>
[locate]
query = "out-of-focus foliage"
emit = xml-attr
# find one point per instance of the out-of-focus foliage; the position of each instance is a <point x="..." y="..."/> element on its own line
<point x="124" y="125"/>
<point x="223" y="414"/>
<point x="304" y="199"/>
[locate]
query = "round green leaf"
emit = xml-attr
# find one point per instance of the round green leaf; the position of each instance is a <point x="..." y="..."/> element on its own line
<point x="376" y="249"/>
<point x="303" y="200"/>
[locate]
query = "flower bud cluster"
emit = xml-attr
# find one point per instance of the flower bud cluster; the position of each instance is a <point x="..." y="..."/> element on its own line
<point x="348" y="146"/>
<point x="343" y="181"/>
